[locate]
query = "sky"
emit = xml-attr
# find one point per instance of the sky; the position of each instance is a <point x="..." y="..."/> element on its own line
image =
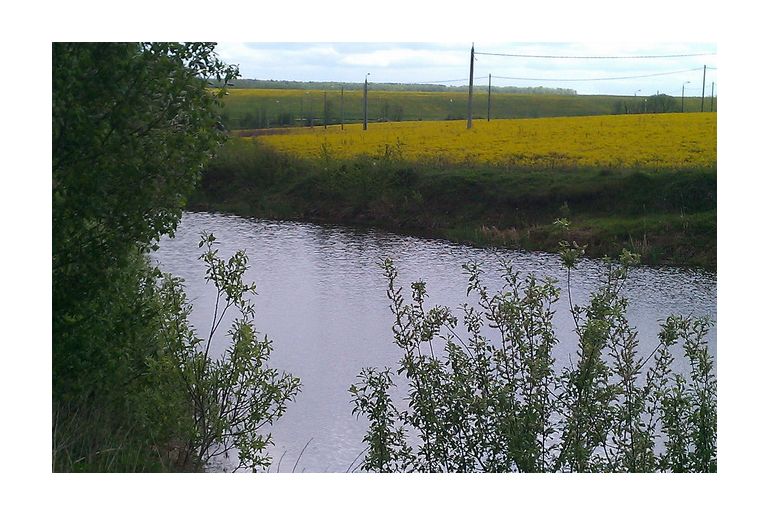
<point x="448" y="63"/>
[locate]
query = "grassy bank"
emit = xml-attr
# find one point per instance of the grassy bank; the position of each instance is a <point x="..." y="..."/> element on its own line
<point x="668" y="216"/>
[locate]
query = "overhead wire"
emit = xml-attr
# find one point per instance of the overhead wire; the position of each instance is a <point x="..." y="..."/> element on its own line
<point x="593" y="57"/>
<point x="591" y="79"/>
<point x="595" y="78"/>
<point x="436" y="82"/>
<point x="450" y="80"/>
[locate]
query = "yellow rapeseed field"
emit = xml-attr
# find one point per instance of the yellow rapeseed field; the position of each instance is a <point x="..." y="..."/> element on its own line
<point x="649" y="140"/>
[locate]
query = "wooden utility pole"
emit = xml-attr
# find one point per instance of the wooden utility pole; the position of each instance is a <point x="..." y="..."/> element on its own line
<point x="470" y="92"/>
<point x="342" y="107"/>
<point x="366" y="105"/>
<point x="703" y="92"/>
<point x="489" y="97"/>
<point x="712" y="97"/>
<point x="326" y="111"/>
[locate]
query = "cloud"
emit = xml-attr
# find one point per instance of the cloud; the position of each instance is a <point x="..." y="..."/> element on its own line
<point x="405" y="57"/>
<point x="442" y="61"/>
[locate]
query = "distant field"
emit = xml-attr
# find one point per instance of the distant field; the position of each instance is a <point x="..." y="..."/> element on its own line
<point x="650" y="141"/>
<point x="262" y="108"/>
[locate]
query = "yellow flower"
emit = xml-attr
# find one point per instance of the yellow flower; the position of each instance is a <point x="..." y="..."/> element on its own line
<point x="648" y="141"/>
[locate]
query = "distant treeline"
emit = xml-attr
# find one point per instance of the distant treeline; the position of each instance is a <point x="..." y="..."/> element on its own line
<point x="389" y="86"/>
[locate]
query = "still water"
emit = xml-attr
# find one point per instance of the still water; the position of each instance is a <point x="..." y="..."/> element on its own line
<point x="321" y="300"/>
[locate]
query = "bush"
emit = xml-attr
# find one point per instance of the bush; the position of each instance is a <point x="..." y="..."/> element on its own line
<point x="475" y="404"/>
<point x="181" y="406"/>
<point x="123" y="415"/>
<point x="233" y="397"/>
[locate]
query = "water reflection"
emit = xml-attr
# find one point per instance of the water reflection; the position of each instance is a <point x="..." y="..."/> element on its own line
<point x="322" y="301"/>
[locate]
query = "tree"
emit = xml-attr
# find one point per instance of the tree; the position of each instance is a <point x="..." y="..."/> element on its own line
<point x="661" y="103"/>
<point x="132" y="126"/>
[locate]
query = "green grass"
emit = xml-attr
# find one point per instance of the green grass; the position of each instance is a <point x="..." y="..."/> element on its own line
<point x="669" y="216"/>
<point x="258" y="108"/>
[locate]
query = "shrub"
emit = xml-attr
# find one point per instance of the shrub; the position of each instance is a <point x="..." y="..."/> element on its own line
<point x="495" y="405"/>
<point x="187" y="406"/>
<point x="232" y="398"/>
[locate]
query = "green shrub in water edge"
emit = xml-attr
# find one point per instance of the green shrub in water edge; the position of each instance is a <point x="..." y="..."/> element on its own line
<point x="232" y="398"/>
<point x="498" y="405"/>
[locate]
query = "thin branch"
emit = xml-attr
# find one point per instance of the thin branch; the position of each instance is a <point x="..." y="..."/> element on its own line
<point x="300" y="455"/>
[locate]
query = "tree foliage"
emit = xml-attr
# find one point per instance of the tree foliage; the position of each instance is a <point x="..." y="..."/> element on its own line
<point x="135" y="387"/>
<point x="132" y="126"/>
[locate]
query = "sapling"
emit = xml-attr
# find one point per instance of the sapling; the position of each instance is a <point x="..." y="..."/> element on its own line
<point x="233" y="397"/>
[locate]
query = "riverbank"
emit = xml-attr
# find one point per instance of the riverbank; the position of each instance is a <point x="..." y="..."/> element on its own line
<point x="666" y="215"/>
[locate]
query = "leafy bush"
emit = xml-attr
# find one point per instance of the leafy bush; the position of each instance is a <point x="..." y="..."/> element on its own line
<point x="183" y="407"/>
<point x="495" y="405"/>
<point x="234" y="396"/>
<point x="121" y="415"/>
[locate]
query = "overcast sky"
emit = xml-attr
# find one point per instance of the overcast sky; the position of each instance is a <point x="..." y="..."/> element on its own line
<point x="448" y="63"/>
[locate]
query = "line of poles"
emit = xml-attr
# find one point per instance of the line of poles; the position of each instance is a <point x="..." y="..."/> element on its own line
<point x="469" y="123"/>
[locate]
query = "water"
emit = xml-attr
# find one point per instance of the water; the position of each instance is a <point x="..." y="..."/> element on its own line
<point x="322" y="301"/>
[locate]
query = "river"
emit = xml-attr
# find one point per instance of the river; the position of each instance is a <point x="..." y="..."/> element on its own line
<point x="322" y="300"/>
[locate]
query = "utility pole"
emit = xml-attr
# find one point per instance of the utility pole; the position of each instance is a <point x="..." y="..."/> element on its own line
<point x="712" y="96"/>
<point x="489" y="97"/>
<point x="342" y="108"/>
<point x="326" y="111"/>
<point x="703" y="92"/>
<point x="470" y="92"/>
<point x="683" y="96"/>
<point x="366" y="105"/>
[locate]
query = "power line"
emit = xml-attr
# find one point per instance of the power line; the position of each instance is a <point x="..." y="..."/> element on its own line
<point x="448" y="80"/>
<point x="436" y="82"/>
<point x="595" y="78"/>
<point x="595" y="57"/>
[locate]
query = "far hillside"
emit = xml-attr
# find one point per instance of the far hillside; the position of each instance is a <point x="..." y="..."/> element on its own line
<point x="259" y="108"/>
